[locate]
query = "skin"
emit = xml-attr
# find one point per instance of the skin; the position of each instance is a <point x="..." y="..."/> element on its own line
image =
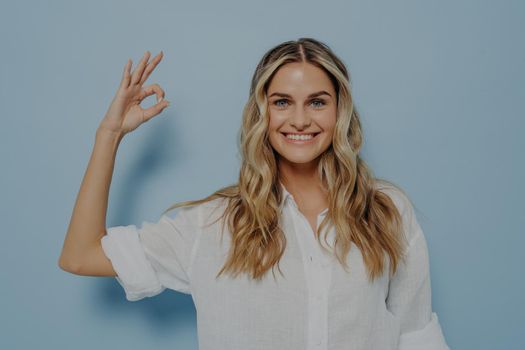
<point x="302" y="114"/>
<point x="82" y="253"/>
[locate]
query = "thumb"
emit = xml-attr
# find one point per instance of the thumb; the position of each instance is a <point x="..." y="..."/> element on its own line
<point x="155" y="109"/>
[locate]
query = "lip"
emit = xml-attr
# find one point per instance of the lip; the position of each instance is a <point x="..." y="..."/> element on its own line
<point x="300" y="142"/>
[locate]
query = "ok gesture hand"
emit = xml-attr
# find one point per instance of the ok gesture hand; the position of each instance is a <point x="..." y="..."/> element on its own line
<point x="125" y="113"/>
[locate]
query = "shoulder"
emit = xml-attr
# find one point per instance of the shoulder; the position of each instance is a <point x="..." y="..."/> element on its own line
<point x="196" y="214"/>
<point x="403" y="204"/>
<point x="396" y="194"/>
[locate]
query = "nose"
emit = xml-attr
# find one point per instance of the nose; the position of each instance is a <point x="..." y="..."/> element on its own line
<point x="300" y="119"/>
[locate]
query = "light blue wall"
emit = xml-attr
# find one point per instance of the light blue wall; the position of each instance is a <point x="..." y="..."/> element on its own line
<point x="440" y="87"/>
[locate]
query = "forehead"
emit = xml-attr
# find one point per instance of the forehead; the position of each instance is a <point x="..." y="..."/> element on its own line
<point x="300" y="78"/>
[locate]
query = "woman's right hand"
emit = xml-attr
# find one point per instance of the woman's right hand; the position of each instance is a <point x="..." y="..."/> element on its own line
<point x="125" y="113"/>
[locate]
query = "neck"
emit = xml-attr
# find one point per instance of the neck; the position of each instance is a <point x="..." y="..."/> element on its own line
<point x="297" y="177"/>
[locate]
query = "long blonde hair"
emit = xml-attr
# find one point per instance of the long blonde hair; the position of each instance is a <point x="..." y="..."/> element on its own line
<point x="360" y="213"/>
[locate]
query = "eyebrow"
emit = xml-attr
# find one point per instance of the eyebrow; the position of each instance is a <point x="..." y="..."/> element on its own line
<point x="315" y="94"/>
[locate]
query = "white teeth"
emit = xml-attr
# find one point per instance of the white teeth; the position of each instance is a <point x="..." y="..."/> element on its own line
<point x="300" y="137"/>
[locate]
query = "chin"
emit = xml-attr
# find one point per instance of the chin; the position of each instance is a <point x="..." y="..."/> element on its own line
<point x="297" y="159"/>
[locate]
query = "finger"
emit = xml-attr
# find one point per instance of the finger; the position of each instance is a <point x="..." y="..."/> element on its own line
<point x="140" y="68"/>
<point x="155" y="109"/>
<point x="152" y="89"/>
<point x="126" y="76"/>
<point x="151" y="67"/>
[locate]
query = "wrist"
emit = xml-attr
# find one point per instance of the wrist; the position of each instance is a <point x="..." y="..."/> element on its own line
<point x="109" y="135"/>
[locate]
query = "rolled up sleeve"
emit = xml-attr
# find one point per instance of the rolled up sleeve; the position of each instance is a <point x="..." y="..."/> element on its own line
<point x="155" y="256"/>
<point x="409" y="294"/>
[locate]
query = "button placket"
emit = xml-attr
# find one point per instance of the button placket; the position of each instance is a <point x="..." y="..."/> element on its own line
<point x="318" y="301"/>
<point x="317" y="279"/>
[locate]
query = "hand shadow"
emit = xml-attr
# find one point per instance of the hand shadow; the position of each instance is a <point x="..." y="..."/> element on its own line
<point x="170" y="312"/>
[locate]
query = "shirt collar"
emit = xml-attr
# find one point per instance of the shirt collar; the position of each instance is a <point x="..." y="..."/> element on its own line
<point x="287" y="195"/>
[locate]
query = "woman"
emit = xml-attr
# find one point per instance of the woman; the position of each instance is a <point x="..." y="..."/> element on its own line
<point x="352" y="258"/>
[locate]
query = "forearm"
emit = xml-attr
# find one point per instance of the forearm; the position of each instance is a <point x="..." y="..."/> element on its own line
<point x="88" y="220"/>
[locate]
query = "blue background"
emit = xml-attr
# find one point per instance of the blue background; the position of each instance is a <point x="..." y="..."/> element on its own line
<point x="439" y="84"/>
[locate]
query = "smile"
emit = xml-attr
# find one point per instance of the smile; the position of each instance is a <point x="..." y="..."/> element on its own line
<point x="300" y="139"/>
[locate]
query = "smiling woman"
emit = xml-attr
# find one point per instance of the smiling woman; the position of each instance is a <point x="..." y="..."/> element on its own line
<point x="353" y="256"/>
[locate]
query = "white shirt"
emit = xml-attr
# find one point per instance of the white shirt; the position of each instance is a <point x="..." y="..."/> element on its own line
<point x="316" y="306"/>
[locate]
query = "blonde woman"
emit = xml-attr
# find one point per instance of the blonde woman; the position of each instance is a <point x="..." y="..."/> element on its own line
<point x="306" y="251"/>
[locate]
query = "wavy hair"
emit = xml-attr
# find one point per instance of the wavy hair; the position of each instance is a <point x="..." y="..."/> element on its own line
<point x="361" y="214"/>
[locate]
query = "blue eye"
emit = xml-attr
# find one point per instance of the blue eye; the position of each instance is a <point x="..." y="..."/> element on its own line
<point x="276" y="102"/>
<point x="321" y="101"/>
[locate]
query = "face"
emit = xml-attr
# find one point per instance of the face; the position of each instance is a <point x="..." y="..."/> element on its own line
<point x="302" y="108"/>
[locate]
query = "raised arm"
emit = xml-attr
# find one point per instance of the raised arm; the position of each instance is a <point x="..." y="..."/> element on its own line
<point x="81" y="252"/>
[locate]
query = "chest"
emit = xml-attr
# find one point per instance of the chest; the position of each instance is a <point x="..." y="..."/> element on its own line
<point x="311" y="293"/>
<point x="285" y="310"/>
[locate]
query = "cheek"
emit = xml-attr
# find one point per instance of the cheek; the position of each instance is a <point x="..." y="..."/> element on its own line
<point x="276" y="119"/>
<point x="327" y="121"/>
<point x="273" y="126"/>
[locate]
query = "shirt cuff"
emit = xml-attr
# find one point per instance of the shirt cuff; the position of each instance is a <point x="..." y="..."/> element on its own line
<point x="134" y="272"/>
<point x="428" y="338"/>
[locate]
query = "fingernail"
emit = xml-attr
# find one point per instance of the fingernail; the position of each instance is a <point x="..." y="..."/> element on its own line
<point x="160" y="99"/>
